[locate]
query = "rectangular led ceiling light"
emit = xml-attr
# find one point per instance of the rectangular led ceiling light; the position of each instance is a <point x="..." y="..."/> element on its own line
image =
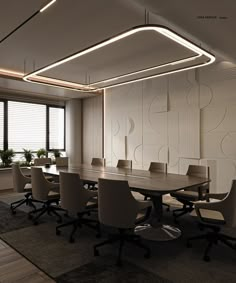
<point x="140" y="53"/>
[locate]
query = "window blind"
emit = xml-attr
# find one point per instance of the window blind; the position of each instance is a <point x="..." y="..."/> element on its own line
<point x="26" y="126"/>
<point x="56" y="128"/>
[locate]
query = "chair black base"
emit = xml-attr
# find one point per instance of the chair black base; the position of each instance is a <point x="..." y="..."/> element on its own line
<point x="46" y="208"/>
<point x="187" y="208"/>
<point x="123" y="237"/>
<point x="78" y="222"/>
<point x="213" y="237"/>
<point x="27" y="200"/>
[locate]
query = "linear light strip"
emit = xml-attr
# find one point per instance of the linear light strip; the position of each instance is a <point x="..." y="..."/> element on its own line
<point x="148" y="69"/>
<point x="48" y="5"/>
<point x="164" y="31"/>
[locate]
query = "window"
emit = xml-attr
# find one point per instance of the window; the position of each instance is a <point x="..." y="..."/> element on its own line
<point x="1" y="124"/>
<point x="56" y="128"/>
<point x="26" y="126"/>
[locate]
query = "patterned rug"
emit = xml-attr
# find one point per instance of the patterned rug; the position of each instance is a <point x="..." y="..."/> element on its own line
<point x="10" y="222"/>
<point x="107" y="272"/>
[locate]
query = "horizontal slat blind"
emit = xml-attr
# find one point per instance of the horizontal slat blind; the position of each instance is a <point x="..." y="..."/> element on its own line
<point x="56" y="128"/>
<point x="26" y="126"/>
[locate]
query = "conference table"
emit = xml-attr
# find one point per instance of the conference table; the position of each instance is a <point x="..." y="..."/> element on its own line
<point x="151" y="184"/>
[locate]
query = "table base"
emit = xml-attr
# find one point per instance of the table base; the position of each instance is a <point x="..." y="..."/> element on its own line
<point x="160" y="233"/>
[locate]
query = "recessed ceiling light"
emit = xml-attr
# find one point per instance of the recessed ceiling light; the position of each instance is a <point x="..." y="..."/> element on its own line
<point x="179" y="64"/>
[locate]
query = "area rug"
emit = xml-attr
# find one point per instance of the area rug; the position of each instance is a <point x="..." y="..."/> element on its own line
<point x="10" y="222"/>
<point x="107" y="272"/>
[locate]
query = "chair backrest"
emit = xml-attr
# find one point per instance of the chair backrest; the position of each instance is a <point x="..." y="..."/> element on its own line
<point x="19" y="180"/>
<point x="126" y="164"/>
<point x="116" y="205"/>
<point x="198" y="171"/>
<point x="74" y="196"/>
<point x="40" y="186"/>
<point x="228" y="207"/>
<point x="201" y="172"/>
<point x="42" y="161"/>
<point x="98" y="162"/>
<point x="158" y="167"/>
<point x="62" y="161"/>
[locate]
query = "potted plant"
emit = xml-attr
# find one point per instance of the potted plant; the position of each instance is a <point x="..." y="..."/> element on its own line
<point x="7" y="156"/>
<point x="28" y="155"/>
<point x="56" y="153"/>
<point x="41" y="153"/>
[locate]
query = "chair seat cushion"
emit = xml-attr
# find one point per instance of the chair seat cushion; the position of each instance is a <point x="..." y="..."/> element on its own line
<point x="137" y="195"/>
<point x="53" y="195"/>
<point x="186" y="195"/>
<point x="210" y="216"/>
<point x="28" y="188"/>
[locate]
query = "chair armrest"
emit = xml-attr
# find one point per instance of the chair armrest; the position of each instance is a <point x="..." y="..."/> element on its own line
<point x="203" y="189"/>
<point x="218" y="196"/>
<point x="214" y="206"/>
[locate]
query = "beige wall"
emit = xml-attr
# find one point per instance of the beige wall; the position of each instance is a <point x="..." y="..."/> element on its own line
<point x="186" y="118"/>
<point x="92" y="128"/>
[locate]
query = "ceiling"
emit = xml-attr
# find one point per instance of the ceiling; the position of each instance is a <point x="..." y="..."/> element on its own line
<point x="72" y="25"/>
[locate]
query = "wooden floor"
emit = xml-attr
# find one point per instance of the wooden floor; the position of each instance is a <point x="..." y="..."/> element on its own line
<point x="15" y="268"/>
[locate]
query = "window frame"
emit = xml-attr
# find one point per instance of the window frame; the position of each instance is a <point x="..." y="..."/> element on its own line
<point x="47" y="105"/>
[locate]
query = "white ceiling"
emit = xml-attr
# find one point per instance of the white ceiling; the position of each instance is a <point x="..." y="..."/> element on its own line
<point x="72" y="25"/>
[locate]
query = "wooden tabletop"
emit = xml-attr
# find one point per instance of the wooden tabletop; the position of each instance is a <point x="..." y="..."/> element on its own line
<point x="139" y="180"/>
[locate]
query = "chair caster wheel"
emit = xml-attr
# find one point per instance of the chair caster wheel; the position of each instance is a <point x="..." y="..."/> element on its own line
<point x="206" y="258"/>
<point x="58" y="232"/>
<point x="96" y="253"/>
<point x="72" y="240"/>
<point x="189" y="245"/>
<point x="36" y="223"/>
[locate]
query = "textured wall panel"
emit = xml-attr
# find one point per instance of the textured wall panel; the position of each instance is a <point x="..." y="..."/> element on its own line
<point x="92" y="128"/>
<point x="189" y="133"/>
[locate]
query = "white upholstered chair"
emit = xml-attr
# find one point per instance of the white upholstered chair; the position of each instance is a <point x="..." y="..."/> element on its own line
<point x="62" y="161"/>
<point x="46" y="193"/>
<point x="218" y="211"/>
<point x="125" y="164"/>
<point x="42" y="161"/>
<point x="21" y="184"/>
<point x="78" y="201"/>
<point x="117" y="208"/>
<point x="188" y="196"/>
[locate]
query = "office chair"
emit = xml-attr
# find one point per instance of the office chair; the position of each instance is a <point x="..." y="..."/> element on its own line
<point x="125" y="164"/>
<point x="62" y="161"/>
<point x="159" y="167"/>
<point x="21" y="183"/>
<point x="213" y="216"/>
<point x="78" y="201"/>
<point x="101" y="162"/>
<point x="117" y="208"/>
<point x="188" y="196"/>
<point x="46" y="193"/>
<point x="42" y="161"/>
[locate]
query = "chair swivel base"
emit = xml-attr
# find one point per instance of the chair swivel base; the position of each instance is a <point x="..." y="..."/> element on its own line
<point x="187" y="208"/>
<point x="46" y="208"/>
<point x="78" y="223"/>
<point x="213" y="238"/>
<point x="27" y="200"/>
<point x="123" y="237"/>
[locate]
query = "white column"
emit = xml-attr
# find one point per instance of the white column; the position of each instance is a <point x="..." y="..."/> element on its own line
<point x="73" y="131"/>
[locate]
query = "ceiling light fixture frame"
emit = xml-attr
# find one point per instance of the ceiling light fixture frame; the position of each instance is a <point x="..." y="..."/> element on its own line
<point x="34" y="77"/>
